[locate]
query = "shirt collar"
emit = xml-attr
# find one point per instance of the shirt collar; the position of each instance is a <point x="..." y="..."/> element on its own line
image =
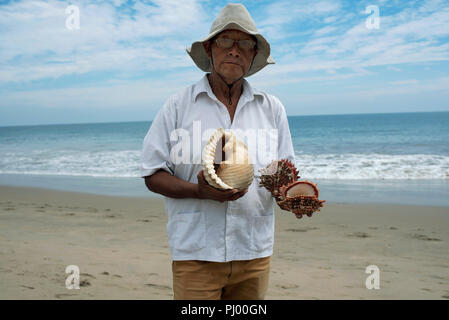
<point x="203" y="86"/>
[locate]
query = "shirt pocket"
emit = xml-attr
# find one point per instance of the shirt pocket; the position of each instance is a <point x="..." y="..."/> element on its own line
<point x="187" y="231"/>
<point x="262" y="232"/>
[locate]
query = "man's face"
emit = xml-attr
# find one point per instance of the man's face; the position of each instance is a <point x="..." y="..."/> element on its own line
<point x="231" y="63"/>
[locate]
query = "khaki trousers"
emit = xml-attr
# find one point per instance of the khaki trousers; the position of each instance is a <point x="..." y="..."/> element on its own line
<point x="234" y="280"/>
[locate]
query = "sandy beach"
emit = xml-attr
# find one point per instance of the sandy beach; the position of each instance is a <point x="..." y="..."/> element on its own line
<point x="121" y="248"/>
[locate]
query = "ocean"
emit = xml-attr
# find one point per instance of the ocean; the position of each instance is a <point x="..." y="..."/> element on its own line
<point x="356" y="158"/>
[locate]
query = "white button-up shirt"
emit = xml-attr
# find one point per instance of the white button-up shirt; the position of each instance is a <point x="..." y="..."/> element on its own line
<point x="206" y="229"/>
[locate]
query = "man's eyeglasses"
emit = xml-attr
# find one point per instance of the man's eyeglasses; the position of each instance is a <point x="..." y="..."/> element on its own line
<point x="227" y="43"/>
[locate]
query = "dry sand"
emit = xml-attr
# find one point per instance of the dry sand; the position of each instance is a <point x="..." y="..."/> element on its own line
<point x="121" y="248"/>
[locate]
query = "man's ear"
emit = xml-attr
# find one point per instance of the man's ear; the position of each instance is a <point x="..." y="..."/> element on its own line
<point x="206" y="46"/>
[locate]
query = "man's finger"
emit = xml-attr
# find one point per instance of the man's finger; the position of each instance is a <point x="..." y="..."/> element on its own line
<point x="200" y="176"/>
<point x="235" y="191"/>
<point x="235" y="196"/>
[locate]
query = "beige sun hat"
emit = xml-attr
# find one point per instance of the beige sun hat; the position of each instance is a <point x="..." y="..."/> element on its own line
<point x="233" y="16"/>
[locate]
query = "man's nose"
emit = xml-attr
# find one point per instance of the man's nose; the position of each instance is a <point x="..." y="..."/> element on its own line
<point x="234" y="50"/>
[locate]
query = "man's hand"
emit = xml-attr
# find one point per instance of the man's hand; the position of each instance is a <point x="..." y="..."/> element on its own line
<point x="206" y="191"/>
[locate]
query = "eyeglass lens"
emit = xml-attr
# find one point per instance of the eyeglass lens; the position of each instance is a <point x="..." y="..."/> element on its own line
<point x="228" y="43"/>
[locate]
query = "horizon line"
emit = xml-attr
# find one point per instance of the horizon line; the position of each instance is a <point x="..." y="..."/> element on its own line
<point x="299" y="115"/>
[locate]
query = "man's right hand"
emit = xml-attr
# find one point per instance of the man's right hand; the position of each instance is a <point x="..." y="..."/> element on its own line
<point x="206" y="191"/>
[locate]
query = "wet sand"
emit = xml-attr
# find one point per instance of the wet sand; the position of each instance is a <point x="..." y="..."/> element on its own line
<point x="120" y="246"/>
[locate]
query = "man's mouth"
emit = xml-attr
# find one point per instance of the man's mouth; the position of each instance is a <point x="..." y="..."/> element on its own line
<point x="232" y="63"/>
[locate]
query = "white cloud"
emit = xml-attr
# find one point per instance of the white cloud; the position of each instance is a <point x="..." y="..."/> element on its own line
<point x="400" y="40"/>
<point x="405" y="82"/>
<point x="149" y="40"/>
<point x="34" y="35"/>
<point x="111" y="96"/>
<point x="280" y="14"/>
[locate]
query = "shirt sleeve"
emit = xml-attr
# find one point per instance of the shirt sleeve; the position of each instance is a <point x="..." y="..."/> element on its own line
<point x="285" y="145"/>
<point x="156" y="144"/>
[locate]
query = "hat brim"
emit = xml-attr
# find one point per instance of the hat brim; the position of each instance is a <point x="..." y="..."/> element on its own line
<point x="262" y="58"/>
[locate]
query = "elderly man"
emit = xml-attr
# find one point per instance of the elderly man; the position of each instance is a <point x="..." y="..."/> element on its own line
<point x="220" y="241"/>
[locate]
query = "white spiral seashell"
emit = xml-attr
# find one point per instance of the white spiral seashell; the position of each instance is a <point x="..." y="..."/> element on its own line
<point x="236" y="171"/>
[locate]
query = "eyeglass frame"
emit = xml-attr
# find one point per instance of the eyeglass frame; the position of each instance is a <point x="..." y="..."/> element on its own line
<point x="234" y="41"/>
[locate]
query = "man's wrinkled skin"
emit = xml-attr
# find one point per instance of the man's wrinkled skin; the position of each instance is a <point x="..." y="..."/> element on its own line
<point x="228" y="66"/>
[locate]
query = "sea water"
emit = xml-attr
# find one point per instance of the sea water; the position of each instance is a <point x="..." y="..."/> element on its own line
<point x="356" y="158"/>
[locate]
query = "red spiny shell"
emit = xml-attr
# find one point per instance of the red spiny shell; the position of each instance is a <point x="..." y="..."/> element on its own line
<point x="301" y="187"/>
<point x="277" y="174"/>
<point x="302" y="200"/>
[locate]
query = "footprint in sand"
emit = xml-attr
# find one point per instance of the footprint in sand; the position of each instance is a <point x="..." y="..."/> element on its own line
<point x="31" y="288"/>
<point x="301" y="229"/>
<point x="424" y="237"/>
<point x="62" y="295"/>
<point x="287" y="286"/>
<point x="358" y="235"/>
<point x="85" y="283"/>
<point x="158" y="286"/>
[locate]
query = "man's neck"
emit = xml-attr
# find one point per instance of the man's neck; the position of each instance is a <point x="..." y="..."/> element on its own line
<point x="221" y="89"/>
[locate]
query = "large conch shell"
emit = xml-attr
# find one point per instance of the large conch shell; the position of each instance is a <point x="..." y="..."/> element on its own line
<point x="236" y="171"/>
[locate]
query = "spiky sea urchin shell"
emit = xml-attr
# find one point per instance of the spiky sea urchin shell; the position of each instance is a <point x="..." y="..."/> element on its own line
<point x="236" y="171"/>
<point x="281" y="179"/>
<point x="277" y="174"/>
<point x="300" y="197"/>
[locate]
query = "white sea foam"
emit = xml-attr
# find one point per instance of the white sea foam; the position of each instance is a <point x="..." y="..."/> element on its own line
<point x="372" y="166"/>
<point x="120" y="164"/>
<point x="125" y="164"/>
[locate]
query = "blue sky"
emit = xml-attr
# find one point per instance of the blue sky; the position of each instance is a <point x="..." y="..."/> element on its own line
<point x="128" y="57"/>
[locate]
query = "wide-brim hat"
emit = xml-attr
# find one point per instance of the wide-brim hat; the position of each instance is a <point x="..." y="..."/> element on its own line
<point x="233" y="16"/>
